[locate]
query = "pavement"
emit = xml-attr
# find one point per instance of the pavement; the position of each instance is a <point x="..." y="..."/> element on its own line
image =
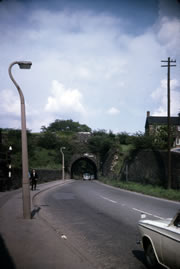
<point x="33" y="243"/>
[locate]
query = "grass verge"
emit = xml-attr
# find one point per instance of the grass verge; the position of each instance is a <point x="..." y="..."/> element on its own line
<point x="151" y="190"/>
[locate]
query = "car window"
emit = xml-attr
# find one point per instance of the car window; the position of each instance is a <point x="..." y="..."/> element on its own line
<point x="177" y="221"/>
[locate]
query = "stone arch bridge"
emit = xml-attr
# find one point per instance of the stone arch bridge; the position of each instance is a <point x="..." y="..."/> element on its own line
<point x="90" y="158"/>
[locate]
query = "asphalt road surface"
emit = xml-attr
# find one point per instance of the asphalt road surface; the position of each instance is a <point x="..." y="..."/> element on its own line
<point x="100" y="222"/>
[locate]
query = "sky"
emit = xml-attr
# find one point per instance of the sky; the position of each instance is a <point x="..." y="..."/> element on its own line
<point x="97" y="62"/>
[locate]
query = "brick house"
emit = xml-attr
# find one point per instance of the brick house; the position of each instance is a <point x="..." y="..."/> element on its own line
<point x="154" y="122"/>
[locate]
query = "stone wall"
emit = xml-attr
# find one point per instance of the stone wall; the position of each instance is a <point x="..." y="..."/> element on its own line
<point x="147" y="167"/>
<point x="151" y="167"/>
<point x="144" y="166"/>
<point x="108" y="167"/>
<point x="44" y="175"/>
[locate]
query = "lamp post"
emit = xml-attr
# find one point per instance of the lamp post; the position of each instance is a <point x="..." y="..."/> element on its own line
<point x="62" y="161"/>
<point x="25" y="179"/>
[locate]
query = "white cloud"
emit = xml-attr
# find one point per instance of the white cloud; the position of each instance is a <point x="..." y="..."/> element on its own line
<point x="10" y="108"/>
<point x="160" y="97"/>
<point x="169" y="34"/>
<point x="98" y="62"/>
<point x="64" y="101"/>
<point x="9" y="103"/>
<point x="113" y="111"/>
<point x="84" y="73"/>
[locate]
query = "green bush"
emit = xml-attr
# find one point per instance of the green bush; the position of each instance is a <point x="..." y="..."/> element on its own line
<point x="151" y="190"/>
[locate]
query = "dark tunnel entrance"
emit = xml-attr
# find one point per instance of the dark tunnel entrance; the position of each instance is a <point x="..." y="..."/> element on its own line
<point x="83" y="166"/>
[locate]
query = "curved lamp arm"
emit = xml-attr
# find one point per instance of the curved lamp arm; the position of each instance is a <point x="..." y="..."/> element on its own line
<point x="22" y="65"/>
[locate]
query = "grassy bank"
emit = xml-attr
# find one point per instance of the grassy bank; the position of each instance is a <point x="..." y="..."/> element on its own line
<point x="155" y="191"/>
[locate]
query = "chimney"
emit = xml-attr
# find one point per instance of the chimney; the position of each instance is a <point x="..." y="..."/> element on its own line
<point x="148" y="114"/>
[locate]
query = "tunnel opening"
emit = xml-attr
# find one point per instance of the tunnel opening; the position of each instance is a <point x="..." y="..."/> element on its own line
<point x="83" y="166"/>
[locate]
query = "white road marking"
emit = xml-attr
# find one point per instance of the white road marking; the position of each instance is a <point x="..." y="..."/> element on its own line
<point x="135" y="209"/>
<point x="105" y="198"/>
<point x="157" y="217"/>
<point x="147" y="213"/>
<point x="63" y="236"/>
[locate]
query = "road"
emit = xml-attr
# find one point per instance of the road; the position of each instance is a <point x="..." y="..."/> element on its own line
<point x="99" y="222"/>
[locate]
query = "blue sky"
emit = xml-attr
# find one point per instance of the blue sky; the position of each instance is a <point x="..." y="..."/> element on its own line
<point x="96" y="62"/>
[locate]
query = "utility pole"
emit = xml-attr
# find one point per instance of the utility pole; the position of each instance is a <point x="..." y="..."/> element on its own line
<point x="168" y="65"/>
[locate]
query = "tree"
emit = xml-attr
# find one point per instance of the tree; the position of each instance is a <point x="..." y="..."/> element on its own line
<point x="99" y="144"/>
<point x="161" y="137"/>
<point x="123" y="138"/>
<point x="142" y="141"/>
<point x="158" y="140"/>
<point x="66" y="126"/>
<point x="100" y="132"/>
<point x="48" y="140"/>
<point x="14" y="140"/>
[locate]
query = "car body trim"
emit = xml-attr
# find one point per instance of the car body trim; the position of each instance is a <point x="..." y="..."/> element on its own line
<point x="158" y="232"/>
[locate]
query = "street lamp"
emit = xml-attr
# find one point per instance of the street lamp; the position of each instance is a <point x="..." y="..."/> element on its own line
<point x="25" y="179"/>
<point x="62" y="161"/>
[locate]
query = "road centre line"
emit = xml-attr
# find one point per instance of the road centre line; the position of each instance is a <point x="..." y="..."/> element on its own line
<point x="157" y="217"/>
<point x="135" y="209"/>
<point x="105" y="198"/>
<point x="146" y="213"/>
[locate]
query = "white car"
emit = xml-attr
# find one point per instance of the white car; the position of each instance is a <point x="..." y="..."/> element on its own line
<point x="161" y="242"/>
<point x="86" y="176"/>
<point x="177" y="150"/>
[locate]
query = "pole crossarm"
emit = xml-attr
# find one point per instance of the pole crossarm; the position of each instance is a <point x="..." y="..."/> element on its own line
<point x="168" y="65"/>
<point x="169" y="61"/>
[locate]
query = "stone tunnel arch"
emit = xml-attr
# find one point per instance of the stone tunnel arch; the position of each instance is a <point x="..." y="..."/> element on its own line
<point x="90" y="160"/>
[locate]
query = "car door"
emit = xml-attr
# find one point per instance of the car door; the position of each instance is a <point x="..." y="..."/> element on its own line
<point x="170" y="247"/>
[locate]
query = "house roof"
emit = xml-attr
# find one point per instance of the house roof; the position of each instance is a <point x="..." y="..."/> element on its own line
<point x="153" y="120"/>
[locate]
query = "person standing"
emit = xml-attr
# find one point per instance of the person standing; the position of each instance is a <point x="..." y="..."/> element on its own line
<point x="34" y="178"/>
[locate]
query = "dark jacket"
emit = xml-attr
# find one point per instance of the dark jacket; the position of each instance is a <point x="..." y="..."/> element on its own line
<point x="34" y="176"/>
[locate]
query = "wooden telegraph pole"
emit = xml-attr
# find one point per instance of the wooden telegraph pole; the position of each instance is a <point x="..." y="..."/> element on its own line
<point x="168" y="65"/>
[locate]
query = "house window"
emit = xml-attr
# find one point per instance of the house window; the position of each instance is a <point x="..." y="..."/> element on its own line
<point x="177" y="141"/>
<point x="178" y="128"/>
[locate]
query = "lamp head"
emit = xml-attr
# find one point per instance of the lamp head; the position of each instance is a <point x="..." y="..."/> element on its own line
<point x="24" y="65"/>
